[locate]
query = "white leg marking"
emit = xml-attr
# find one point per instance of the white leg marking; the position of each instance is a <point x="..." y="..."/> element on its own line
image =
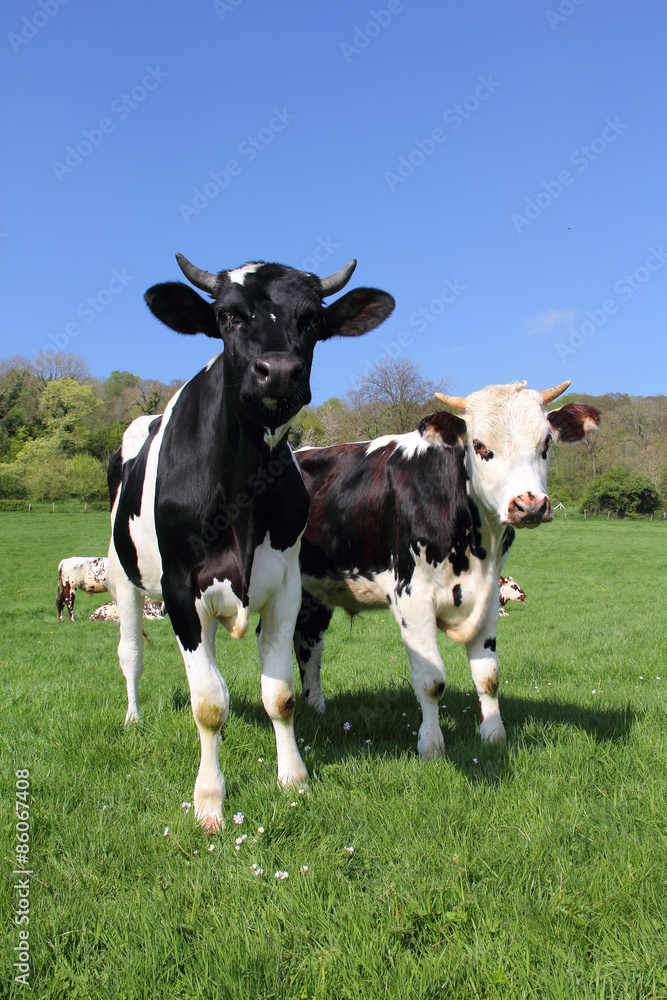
<point x="209" y="698"/>
<point x="416" y="618"/>
<point x="275" y="650"/>
<point x="484" y="668"/>
<point x="130" y="603"/>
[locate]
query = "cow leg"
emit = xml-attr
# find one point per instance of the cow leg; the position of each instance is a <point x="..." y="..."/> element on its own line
<point x="69" y="597"/>
<point x="313" y="621"/>
<point x="429" y="677"/>
<point x="60" y="602"/>
<point x="484" y="667"/>
<point x="274" y="642"/>
<point x="130" y="604"/>
<point x="209" y="697"/>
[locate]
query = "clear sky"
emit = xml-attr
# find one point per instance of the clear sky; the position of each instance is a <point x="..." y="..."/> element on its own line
<point x="499" y="168"/>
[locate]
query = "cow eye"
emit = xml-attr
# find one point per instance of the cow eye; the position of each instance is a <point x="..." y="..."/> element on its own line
<point x="229" y="320"/>
<point x="545" y="450"/>
<point x="312" y="324"/>
<point x="480" y="449"/>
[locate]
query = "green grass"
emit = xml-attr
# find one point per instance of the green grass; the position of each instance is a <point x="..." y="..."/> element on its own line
<point x="537" y="871"/>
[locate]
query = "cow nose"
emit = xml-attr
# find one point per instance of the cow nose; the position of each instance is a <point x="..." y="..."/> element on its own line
<point x="529" y="509"/>
<point x="277" y="374"/>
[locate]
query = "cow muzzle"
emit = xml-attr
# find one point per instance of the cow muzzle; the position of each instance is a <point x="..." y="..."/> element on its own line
<point x="528" y="510"/>
<point x="277" y="377"/>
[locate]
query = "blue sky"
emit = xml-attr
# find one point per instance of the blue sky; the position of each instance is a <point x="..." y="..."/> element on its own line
<point x="499" y="168"/>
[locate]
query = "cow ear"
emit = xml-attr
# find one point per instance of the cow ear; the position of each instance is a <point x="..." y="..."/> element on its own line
<point x="179" y="307"/>
<point x="573" y="421"/>
<point x="444" y="428"/>
<point x="356" y="312"/>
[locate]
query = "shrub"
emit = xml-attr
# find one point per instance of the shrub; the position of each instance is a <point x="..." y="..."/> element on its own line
<point x="14" y="504"/>
<point x="621" y="493"/>
<point x="98" y="505"/>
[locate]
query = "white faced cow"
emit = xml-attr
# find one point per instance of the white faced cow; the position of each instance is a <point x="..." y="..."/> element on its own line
<point x="87" y="573"/>
<point x="508" y="590"/>
<point x="208" y="506"/>
<point x="423" y="522"/>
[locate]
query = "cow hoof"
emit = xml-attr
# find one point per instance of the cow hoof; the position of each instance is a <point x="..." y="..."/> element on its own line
<point x="318" y="704"/>
<point x="132" y="716"/>
<point x="211" y="823"/>
<point x="432" y="746"/>
<point x="296" y="777"/>
<point x="492" y="731"/>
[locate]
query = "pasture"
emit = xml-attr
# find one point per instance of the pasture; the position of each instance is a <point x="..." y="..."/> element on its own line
<point x="538" y="870"/>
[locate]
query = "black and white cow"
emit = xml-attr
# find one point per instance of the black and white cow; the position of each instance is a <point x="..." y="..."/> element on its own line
<point x="508" y="590"/>
<point x="423" y="522"/>
<point x="88" y="573"/>
<point x="208" y="506"/>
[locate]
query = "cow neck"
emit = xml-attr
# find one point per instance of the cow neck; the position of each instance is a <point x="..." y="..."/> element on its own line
<point x="491" y="531"/>
<point x="250" y="452"/>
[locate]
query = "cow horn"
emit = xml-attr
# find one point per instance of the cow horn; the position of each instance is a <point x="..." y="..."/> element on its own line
<point x="200" y="279"/>
<point x="548" y="395"/>
<point x="334" y="283"/>
<point x="454" y="402"/>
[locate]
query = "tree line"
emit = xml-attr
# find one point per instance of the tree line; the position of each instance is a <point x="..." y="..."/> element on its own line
<point x="59" y="426"/>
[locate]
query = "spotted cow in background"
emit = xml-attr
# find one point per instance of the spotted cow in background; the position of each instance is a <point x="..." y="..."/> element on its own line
<point x="508" y="590"/>
<point x="80" y="573"/>
<point x="423" y="522"/>
<point x="208" y="506"/>
<point x="153" y="611"/>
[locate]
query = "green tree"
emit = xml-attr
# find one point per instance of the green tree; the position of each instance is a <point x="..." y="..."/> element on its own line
<point x="621" y="492"/>
<point x="65" y="405"/>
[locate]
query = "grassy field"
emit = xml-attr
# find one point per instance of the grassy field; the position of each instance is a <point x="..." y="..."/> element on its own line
<point x="537" y="870"/>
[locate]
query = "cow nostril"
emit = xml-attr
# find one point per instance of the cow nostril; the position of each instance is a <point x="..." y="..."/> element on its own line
<point x="296" y="372"/>
<point x="518" y="506"/>
<point x="262" y="368"/>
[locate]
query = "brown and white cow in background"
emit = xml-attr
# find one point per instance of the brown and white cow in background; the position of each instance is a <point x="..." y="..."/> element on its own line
<point x="508" y="590"/>
<point x="423" y="522"/>
<point x="87" y="573"/>
<point x="153" y="611"/>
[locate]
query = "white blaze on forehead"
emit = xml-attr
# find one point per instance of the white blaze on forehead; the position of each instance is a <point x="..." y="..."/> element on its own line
<point x="238" y="275"/>
<point x="506" y="416"/>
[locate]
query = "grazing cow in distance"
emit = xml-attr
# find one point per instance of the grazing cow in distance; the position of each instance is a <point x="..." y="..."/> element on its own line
<point x="508" y="590"/>
<point x="423" y="522"/>
<point x="152" y="610"/>
<point x="208" y="506"/>
<point x="79" y="573"/>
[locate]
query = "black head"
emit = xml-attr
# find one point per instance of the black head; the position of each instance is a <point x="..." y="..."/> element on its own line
<point x="270" y="317"/>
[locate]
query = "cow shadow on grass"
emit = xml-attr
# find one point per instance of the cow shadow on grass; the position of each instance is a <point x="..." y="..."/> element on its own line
<point x="384" y="722"/>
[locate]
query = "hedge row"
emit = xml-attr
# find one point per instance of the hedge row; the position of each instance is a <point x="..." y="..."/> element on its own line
<point x="24" y="505"/>
<point x="14" y="505"/>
